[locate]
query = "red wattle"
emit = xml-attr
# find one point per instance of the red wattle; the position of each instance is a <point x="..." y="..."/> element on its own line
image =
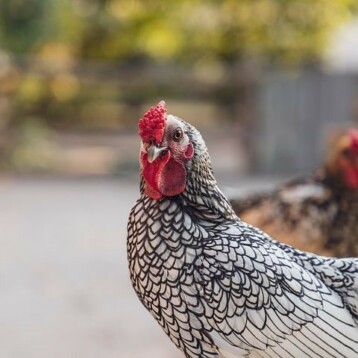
<point x="171" y="180"/>
<point x="163" y="177"/>
<point x="151" y="171"/>
<point x="152" y="193"/>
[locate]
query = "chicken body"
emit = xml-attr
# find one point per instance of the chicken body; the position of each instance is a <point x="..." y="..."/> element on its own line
<point x="222" y="288"/>
<point x="314" y="215"/>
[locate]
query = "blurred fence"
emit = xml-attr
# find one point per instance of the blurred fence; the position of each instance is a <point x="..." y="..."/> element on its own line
<point x="297" y="112"/>
<point x="256" y="120"/>
<point x="95" y="104"/>
<point x="124" y="88"/>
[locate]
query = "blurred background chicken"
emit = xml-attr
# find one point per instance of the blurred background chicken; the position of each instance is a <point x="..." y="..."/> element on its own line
<point x="318" y="213"/>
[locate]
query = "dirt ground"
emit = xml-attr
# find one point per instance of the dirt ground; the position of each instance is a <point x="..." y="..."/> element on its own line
<point x="64" y="285"/>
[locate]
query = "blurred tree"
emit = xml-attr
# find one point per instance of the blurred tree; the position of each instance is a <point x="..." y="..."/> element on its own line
<point x="21" y="24"/>
<point x="212" y="36"/>
<point x="188" y="30"/>
<point x="195" y="32"/>
<point x="185" y="30"/>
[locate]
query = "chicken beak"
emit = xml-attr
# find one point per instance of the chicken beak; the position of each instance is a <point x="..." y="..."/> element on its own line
<point x="154" y="152"/>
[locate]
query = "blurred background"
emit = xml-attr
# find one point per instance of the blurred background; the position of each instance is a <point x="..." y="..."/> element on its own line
<point x="267" y="82"/>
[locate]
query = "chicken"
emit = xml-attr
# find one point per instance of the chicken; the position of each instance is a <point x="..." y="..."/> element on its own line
<point x="317" y="214"/>
<point x="218" y="286"/>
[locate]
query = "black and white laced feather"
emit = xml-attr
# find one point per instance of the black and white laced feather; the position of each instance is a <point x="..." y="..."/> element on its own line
<point x="222" y="288"/>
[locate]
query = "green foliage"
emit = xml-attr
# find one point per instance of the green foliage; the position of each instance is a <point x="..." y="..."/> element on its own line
<point x="21" y="24"/>
<point x="180" y="30"/>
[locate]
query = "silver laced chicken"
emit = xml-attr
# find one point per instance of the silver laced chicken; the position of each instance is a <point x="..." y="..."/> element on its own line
<point x="218" y="286"/>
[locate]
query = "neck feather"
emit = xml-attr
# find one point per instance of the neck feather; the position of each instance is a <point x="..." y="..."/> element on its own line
<point x="202" y="196"/>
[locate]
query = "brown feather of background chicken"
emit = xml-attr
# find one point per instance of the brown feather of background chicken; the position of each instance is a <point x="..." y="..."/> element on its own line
<point x="317" y="214"/>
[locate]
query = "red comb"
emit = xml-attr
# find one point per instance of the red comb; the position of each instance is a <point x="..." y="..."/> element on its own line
<point x="151" y="126"/>
<point x="353" y="136"/>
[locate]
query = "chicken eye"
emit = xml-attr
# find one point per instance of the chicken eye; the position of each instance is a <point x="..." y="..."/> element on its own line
<point x="178" y="135"/>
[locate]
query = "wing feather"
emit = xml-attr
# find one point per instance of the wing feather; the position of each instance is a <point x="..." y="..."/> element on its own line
<point x="259" y="302"/>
